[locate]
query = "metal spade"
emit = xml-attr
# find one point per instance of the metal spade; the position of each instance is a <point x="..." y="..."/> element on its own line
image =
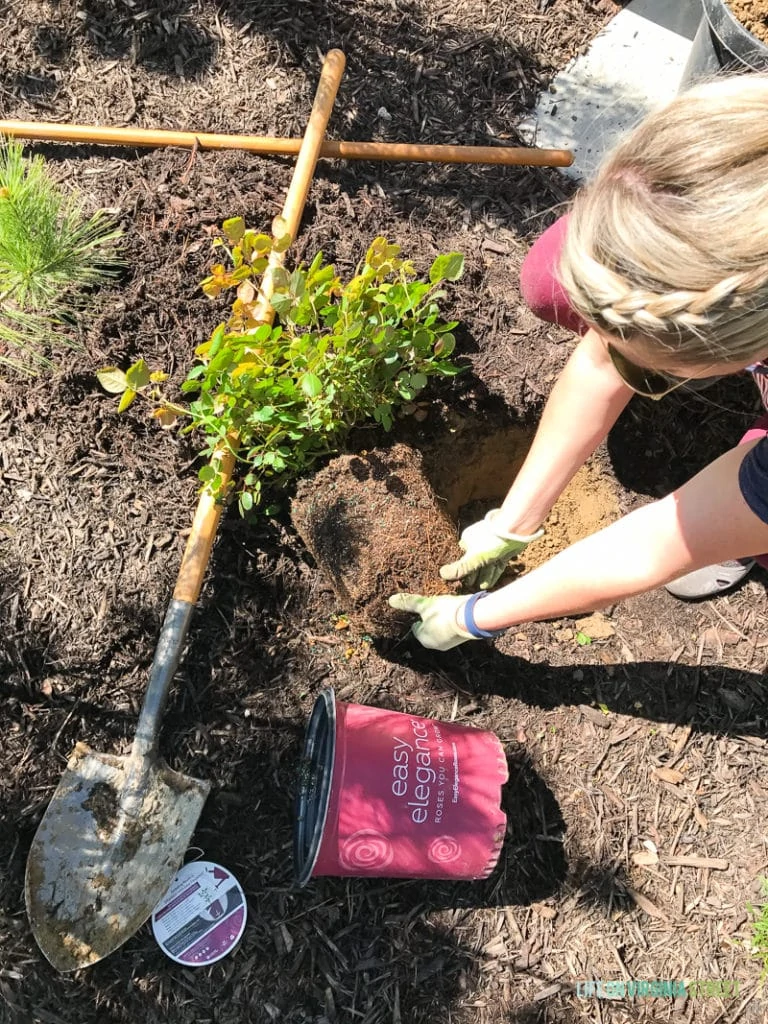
<point x="115" y="832"/>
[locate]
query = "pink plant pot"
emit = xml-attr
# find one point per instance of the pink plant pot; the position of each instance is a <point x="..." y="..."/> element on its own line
<point x="390" y="795"/>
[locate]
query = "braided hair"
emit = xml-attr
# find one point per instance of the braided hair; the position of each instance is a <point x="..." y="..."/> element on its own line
<point x="669" y="243"/>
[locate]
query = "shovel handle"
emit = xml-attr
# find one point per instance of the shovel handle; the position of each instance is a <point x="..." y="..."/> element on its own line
<point x="198" y="549"/>
<point x="409" y="152"/>
<point x="209" y="510"/>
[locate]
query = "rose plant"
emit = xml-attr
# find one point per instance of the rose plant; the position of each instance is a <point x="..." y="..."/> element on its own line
<point x="281" y="396"/>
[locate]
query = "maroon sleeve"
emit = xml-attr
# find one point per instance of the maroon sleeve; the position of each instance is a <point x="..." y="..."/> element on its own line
<point x="539" y="283"/>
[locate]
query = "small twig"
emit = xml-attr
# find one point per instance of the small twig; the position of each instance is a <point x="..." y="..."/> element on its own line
<point x="52" y="745"/>
<point x="190" y="163"/>
<point x="728" y="623"/>
<point x="646" y="905"/>
<point x="694" y="861"/>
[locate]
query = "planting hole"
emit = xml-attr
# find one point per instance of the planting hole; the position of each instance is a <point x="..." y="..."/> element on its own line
<point x="471" y="470"/>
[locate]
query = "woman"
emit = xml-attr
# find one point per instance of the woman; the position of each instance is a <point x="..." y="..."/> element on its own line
<point x="662" y="267"/>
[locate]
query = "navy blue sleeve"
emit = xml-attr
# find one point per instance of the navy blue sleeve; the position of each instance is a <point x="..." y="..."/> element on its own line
<point x="753" y="479"/>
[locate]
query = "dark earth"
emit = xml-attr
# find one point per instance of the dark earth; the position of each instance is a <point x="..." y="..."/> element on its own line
<point x="635" y="737"/>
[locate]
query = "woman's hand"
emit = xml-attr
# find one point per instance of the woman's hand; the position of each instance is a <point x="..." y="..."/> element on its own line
<point x="704" y="522"/>
<point x="438" y="629"/>
<point x="487" y="551"/>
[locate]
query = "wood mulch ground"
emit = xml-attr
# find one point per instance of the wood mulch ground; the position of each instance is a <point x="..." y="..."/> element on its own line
<point x="631" y="757"/>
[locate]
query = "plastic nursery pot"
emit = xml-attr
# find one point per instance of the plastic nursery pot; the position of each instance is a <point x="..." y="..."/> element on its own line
<point x="722" y="43"/>
<point x="390" y="795"/>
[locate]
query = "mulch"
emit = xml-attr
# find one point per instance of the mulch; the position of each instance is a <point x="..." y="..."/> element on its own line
<point x="631" y="757"/>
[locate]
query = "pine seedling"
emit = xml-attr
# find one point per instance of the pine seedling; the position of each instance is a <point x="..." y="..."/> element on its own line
<point x="25" y="338"/>
<point x="51" y="252"/>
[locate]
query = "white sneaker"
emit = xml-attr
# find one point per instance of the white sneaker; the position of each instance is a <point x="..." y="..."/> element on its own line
<point x="711" y="580"/>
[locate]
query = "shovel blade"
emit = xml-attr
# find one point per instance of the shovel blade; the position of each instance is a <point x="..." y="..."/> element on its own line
<point x="94" y="875"/>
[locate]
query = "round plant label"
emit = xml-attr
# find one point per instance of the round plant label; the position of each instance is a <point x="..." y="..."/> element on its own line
<point x="202" y="916"/>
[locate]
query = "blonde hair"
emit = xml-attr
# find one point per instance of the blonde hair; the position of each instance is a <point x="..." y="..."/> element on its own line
<point x="669" y="243"/>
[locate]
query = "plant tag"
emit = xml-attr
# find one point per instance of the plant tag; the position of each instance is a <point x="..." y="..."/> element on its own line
<point x="202" y="916"/>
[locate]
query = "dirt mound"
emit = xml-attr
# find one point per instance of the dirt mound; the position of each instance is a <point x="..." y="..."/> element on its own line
<point x="375" y="526"/>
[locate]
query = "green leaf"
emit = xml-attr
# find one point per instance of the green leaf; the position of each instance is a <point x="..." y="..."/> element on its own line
<point x="422" y="339"/>
<point x="582" y="639"/>
<point x="112" y="380"/>
<point x="298" y="283"/>
<point x="262" y="244"/>
<point x="280" y="277"/>
<point x="449" y="370"/>
<point x="444" y="345"/>
<point x="383" y="415"/>
<point x="126" y="399"/>
<point x="263" y="332"/>
<point x="281" y="303"/>
<point x="405" y="388"/>
<point x="234" y="229"/>
<point x="217" y="339"/>
<point x="206" y="474"/>
<point x="418" y="381"/>
<point x="246" y="501"/>
<point x="311" y="385"/>
<point x="449" y="267"/>
<point x="138" y="376"/>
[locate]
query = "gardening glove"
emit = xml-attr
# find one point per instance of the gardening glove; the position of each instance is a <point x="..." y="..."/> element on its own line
<point x="438" y="628"/>
<point x="486" y="553"/>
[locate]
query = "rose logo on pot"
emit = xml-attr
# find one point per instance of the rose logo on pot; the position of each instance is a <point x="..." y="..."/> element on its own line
<point x="443" y="850"/>
<point x="366" y="849"/>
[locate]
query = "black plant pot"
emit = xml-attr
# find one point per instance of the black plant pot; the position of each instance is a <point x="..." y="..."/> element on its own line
<point x="722" y="44"/>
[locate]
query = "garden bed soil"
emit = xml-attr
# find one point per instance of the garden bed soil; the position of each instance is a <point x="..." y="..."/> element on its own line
<point x="633" y="735"/>
<point x="753" y="15"/>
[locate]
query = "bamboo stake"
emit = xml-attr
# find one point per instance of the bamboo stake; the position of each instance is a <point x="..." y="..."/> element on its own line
<point x="208" y="513"/>
<point x="387" y="151"/>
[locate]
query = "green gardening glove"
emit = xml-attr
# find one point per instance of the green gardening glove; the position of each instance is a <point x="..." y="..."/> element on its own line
<point x="486" y="553"/>
<point x="438" y="628"/>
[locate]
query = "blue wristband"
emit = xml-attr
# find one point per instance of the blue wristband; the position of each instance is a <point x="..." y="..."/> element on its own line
<point x="469" y="619"/>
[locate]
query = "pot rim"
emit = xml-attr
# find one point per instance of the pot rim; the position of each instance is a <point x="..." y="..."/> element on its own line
<point x="731" y="33"/>
<point x="313" y="796"/>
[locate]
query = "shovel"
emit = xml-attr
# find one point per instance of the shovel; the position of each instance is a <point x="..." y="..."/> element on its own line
<point x="117" y="828"/>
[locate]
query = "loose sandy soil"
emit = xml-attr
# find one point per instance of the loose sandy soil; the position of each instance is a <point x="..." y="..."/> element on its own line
<point x="753" y="15"/>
